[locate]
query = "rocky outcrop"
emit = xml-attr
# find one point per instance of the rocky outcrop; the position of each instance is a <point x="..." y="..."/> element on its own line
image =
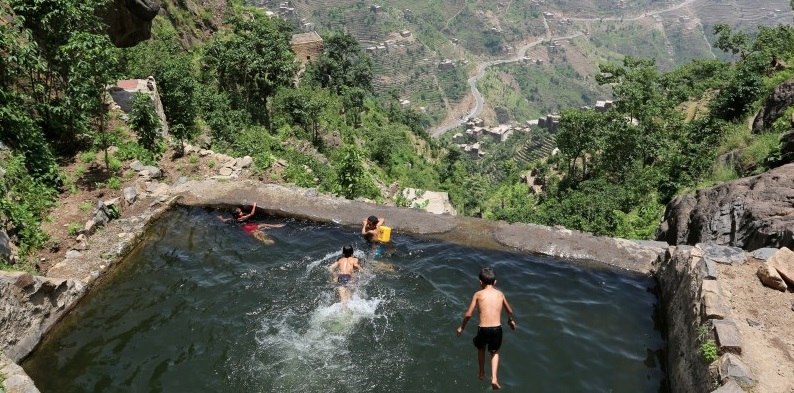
<point x="750" y="213"/>
<point x="31" y="305"/>
<point x="13" y="378"/>
<point x="781" y="98"/>
<point x="130" y="21"/>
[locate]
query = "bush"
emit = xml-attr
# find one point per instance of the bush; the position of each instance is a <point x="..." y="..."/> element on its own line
<point x="24" y="200"/>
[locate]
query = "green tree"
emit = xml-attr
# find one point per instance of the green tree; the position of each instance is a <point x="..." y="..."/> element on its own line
<point x="342" y="65"/>
<point x="94" y="66"/>
<point x="54" y="26"/>
<point x="352" y="180"/>
<point x="728" y="41"/>
<point x="146" y="124"/>
<point x="302" y="106"/>
<point x="252" y="61"/>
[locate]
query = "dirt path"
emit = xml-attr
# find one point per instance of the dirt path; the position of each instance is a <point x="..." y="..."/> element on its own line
<point x="764" y="316"/>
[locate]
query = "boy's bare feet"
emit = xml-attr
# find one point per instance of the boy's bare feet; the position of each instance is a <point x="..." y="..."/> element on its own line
<point x="495" y="385"/>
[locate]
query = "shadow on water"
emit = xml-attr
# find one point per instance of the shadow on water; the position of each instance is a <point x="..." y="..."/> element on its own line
<point x="205" y="307"/>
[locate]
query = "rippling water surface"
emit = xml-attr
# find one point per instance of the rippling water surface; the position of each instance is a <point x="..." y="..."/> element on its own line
<point x="204" y="307"/>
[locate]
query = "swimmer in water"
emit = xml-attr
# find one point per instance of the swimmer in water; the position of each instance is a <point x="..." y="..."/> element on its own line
<point x="342" y="271"/>
<point x="370" y="228"/>
<point x="253" y="229"/>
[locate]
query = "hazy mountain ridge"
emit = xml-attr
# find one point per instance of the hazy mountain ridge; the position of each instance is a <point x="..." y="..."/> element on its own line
<point x="469" y="33"/>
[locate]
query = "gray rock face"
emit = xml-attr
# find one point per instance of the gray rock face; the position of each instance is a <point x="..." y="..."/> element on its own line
<point x="33" y="304"/>
<point x="781" y="98"/>
<point x="130" y="21"/>
<point x="749" y="213"/>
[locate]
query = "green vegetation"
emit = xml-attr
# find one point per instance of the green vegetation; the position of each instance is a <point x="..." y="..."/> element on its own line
<point x="338" y="126"/>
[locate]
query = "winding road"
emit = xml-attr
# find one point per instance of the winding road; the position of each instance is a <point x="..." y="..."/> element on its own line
<point x="480" y="101"/>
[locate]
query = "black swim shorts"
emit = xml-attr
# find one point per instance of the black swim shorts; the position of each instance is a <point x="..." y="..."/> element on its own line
<point x="490" y="337"/>
<point x="344" y="279"/>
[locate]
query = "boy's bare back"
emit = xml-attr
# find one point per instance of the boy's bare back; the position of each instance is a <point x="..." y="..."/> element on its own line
<point x="489" y="305"/>
<point x="346" y="265"/>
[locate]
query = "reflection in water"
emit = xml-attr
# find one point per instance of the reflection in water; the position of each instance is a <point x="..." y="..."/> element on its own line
<point x="203" y="307"/>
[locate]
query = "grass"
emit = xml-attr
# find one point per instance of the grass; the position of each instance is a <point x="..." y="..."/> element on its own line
<point x="73" y="229"/>
<point x="709" y="351"/>
<point x="708" y="347"/>
<point x="85" y="206"/>
<point x="114" y="183"/>
<point x="88" y="157"/>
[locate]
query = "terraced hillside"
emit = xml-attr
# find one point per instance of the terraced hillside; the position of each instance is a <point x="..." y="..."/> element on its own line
<point x="470" y="32"/>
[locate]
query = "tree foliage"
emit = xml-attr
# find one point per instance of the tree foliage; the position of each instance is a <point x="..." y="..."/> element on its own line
<point x="252" y="61"/>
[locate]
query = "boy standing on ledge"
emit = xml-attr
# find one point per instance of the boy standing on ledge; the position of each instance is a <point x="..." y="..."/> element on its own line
<point x="489" y="301"/>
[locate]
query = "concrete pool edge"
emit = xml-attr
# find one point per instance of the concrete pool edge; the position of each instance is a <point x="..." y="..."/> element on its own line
<point x="38" y="310"/>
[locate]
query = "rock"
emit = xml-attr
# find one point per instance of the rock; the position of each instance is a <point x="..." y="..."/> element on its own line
<point x="154" y="172"/>
<point x="728" y="337"/>
<point x="750" y="213"/>
<point x="787" y="148"/>
<point x="130" y="195"/>
<point x="225" y="160"/>
<point x="72" y="254"/>
<point x="781" y="98"/>
<point x="770" y="278"/>
<point x="204" y="152"/>
<point x="763" y="253"/>
<point x="101" y="214"/>
<point x="141" y="185"/>
<point x="783" y="262"/>
<point x="81" y="246"/>
<point x="129" y="21"/>
<point x="112" y="202"/>
<point x="31" y="305"/>
<point x="714" y="304"/>
<point x="245" y="162"/>
<point x="81" y="238"/>
<point x="754" y="323"/>
<point x="181" y="180"/>
<point x="723" y="254"/>
<point x="5" y="246"/>
<point x="731" y="367"/>
<point x="730" y="387"/>
<point x="225" y="171"/>
<point x="89" y="227"/>
<point x="137" y="166"/>
<point x="430" y="201"/>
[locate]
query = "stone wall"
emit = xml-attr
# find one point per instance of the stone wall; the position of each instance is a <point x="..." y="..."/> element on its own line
<point x="696" y="310"/>
<point x="680" y="273"/>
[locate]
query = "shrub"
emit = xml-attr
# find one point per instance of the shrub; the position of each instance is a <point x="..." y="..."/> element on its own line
<point x="114" y="183"/>
<point x="73" y="229"/>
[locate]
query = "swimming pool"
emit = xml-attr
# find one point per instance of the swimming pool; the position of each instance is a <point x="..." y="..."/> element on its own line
<point x="202" y="306"/>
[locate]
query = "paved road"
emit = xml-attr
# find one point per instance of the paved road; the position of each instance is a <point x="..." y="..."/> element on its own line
<point x="480" y="102"/>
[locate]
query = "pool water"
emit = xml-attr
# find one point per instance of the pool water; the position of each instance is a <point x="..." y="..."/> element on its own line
<point x="203" y="306"/>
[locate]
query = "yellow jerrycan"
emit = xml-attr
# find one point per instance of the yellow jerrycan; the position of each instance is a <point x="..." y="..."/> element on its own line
<point x="385" y="234"/>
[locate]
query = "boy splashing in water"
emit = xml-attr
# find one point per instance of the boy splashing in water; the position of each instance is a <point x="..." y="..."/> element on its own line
<point x="489" y="301"/>
<point x="342" y="271"/>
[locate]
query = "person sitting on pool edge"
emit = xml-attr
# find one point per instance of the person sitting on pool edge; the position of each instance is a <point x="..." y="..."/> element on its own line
<point x="489" y="301"/>
<point x="370" y="228"/>
<point x="251" y="228"/>
<point x="344" y="276"/>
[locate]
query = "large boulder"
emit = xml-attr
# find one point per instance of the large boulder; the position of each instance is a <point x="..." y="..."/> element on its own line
<point x="750" y="213"/>
<point x="130" y="21"/>
<point x="781" y="98"/>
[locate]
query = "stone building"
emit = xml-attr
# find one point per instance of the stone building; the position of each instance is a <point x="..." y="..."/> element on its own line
<point x="307" y="46"/>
